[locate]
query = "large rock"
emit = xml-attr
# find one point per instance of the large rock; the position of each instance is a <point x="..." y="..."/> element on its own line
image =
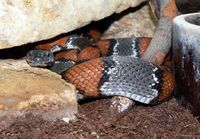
<point x="33" y="90"/>
<point x="133" y="24"/>
<point x="25" y="21"/>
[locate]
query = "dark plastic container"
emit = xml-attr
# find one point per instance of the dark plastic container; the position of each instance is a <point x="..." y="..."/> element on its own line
<point x="186" y="57"/>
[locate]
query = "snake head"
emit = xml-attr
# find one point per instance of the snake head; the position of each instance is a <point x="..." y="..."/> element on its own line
<point x="40" y="58"/>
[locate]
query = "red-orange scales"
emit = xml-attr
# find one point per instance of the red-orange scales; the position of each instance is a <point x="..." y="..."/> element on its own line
<point x="95" y="34"/>
<point x="89" y="53"/>
<point x="68" y="54"/>
<point x="86" y="76"/>
<point x="103" y="46"/>
<point x="47" y="46"/>
<point x="143" y="43"/>
<point x="168" y="86"/>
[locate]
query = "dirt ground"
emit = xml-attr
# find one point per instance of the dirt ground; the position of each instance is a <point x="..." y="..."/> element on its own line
<point x="168" y="120"/>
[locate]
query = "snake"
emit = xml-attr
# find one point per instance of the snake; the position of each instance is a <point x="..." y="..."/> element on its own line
<point x="108" y="67"/>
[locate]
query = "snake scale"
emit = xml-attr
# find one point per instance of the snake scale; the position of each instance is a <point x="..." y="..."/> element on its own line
<point x="110" y="67"/>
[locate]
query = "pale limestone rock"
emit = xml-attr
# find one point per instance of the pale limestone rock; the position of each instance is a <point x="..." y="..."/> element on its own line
<point x="134" y="24"/>
<point x="35" y="90"/>
<point x="25" y="21"/>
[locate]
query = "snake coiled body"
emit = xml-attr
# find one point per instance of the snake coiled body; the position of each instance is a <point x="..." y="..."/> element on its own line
<point x="107" y="68"/>
<point x="123" y="76"/>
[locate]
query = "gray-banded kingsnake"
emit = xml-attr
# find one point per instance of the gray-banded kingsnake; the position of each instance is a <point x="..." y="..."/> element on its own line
<point x="107" y="68"/>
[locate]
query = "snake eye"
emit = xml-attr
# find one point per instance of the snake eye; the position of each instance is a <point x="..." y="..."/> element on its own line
<point x="37" y="59"/>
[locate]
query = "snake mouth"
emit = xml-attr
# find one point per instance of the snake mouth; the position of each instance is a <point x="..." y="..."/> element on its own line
<point x="40" y="58"/>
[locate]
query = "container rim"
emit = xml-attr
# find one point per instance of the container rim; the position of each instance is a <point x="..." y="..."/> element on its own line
<point x="186" y="20"/>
